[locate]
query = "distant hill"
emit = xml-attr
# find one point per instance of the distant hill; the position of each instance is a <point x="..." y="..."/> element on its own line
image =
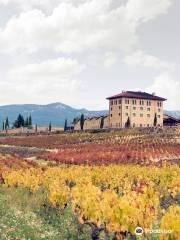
<point x="43" y="114"/>
<point x="55" y="112"/>
<point x="173" y="113"/>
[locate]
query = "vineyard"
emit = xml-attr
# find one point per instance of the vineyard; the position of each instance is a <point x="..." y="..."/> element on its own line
<point x="98" y="186"/>
<point x="111" y="200"/>
<point x="8" y="162"/>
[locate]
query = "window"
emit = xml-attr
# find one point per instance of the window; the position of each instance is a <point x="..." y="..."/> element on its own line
<point x="120" y="101"/>
<point x="115" y="102"/>
<point x="141" y="108"/>
<point x="148" y="109"/>
<point x="141" y="115"/>
<point x="148" y="103"/>
<point x="119" y="114"/>
<point x="159" y="110"/>
<point x="148" y="115"/>
<point x="127" y="114"/>
<point x="127" y="107"/>
<point x="159" y="116"/>
<point x="140" y="125"/>
<point x="111" y="115"/>
<point x="134" y="108"/>
<point x="111" y="108"/>
<point x="134" y="124"/>
<point x="112" y="102"/>
<point x="119" y="107"/>
<point x="134" y="114"/>
<point x="126" y="101"/>
<point x="159" y="104"/>
<point x="148" y="125"/>
<point x="134" y="102"/>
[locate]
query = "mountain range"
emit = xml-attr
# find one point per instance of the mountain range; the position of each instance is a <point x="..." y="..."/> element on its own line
<point x="56" y="113"/>
<point x="42" y="115"/>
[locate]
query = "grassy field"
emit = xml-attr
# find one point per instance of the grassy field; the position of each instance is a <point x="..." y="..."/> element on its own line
<point x="25" y="216"/>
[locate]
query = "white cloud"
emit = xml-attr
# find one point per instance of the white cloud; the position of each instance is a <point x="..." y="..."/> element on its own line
<point x="89" y="27"/>
<point x="164" y="85"/>
<point x="30" y="4"/>
<point x="110" y="59"/>
<point x="71" y="27"/>
<point x="145" y="10"/>
<point x="48" y="80"/>
<point x="57" y="69"/>
<point x="140" y="58"/>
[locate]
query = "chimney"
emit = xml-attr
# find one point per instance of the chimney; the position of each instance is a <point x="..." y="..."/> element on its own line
<point x="154" y="94"/>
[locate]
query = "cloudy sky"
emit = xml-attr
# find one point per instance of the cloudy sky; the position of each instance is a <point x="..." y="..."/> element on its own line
<point x="81" y="51"/>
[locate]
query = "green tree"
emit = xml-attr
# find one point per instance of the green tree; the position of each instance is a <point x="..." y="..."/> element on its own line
<point x="102" y="123"/>
<point x="82" y="121"/>
<point x="6" y="123"/>
<point x="50" y="127"/>
<point x="155" y="120"/>
<point x="128" y="123"/>
<point x="26" y="123"/>
<point x="65" y="125"/>
<point x="30" y="122"/>
<point x="19" y="122"/>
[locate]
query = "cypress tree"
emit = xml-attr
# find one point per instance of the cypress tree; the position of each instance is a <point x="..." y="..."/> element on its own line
<point x="128" y="123"/>
<point x="155" y="120"/>
<point x="50" y="127"/>
<point x="82" y="121"/>
<point x="102" y="123"/>
<point x="30" y="121"/>
<point x="65" y="125"/>
<point x="7" y="123"/>
<point x="26" y="124"/>
<point x="19" y="122"/>
<point x="3" y="126"/>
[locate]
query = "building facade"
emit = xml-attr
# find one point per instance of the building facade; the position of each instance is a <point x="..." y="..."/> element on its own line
<point x="138" y="108"/>
<point x="93" y="123"/>
<point x="135" y="109"/>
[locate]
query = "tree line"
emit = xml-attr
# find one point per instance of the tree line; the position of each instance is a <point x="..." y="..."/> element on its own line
<point x="27" y="122"/>
<point x="18" y="123"/>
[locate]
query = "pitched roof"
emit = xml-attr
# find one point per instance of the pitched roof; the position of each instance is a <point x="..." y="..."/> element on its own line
<point x="138" y="95"/>
<point x="168" y="117"/>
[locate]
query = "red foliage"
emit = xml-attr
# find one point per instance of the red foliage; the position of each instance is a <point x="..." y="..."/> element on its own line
<point x="8" y="162"/>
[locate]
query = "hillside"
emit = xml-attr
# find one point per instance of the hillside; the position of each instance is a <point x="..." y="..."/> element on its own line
<point x="43" y="114"/>
<point x="173" y="113"/>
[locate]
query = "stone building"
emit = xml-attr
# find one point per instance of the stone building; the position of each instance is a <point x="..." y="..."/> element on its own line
<point x="139" y="108"/>
<point x="93" y="123"/>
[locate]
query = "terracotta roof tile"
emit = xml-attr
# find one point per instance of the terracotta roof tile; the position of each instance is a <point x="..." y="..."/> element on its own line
<point x="138" y="95"/>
